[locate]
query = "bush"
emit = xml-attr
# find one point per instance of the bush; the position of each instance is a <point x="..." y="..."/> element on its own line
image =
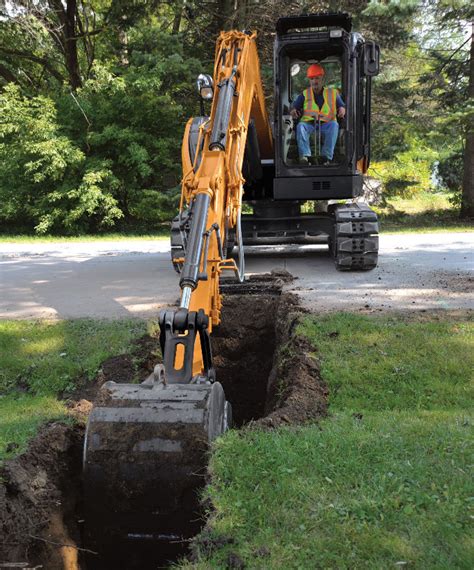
<point x="450" y="172"/>
<point x="407" y="173"/>
<point x="106" y="155"/>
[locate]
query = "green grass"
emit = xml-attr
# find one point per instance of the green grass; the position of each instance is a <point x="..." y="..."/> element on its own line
<point x="21" y="415"/>
<point x="367" y="493"/>
<point x="384" y="482"/>
<point x="424" y="212"/>
<point x="394" y="364"/>
<point x="40" y="359"/>
<point x="20" y="238"/>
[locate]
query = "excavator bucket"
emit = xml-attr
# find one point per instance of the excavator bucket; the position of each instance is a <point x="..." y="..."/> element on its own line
<point x="145" y="459"/>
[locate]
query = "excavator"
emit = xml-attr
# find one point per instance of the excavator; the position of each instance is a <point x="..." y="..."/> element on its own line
<point x="147" y="444"/>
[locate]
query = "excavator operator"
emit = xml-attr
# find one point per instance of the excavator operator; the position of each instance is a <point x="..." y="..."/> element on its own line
<point x="317" y="108"/>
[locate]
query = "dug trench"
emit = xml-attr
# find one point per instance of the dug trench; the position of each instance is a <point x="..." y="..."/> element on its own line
<point x="268" y="375"/>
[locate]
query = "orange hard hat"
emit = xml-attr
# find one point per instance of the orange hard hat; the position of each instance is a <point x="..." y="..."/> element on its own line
<point x="314" y="70"/>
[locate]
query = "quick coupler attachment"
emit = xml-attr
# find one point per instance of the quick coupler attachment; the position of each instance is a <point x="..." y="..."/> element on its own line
<point x="178" y="330"/>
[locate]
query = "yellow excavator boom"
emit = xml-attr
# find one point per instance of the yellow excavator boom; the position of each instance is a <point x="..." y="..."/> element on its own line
<point x="216" y="168"/>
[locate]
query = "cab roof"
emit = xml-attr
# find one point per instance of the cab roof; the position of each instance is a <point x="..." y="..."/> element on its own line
<point x="318" y="20"/>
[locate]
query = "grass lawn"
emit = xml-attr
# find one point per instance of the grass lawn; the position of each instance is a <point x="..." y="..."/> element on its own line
<point x="20" y="238"/>
<point x="384" y="482"/>
<point x="40" y="359"/>
<point x="425" y="212"/>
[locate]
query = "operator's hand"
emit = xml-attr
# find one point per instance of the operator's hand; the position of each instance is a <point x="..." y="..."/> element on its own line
<point x="341" y="112"/>
<point x="295" y="114"/>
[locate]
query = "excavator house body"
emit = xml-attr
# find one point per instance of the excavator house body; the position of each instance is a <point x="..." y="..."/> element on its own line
<point x="288" y="201"/>
<point x="278" y="199"/>
<point x="146" y="446"/>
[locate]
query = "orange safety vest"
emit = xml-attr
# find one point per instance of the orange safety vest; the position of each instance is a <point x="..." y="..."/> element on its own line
<point x="328" y="110"/>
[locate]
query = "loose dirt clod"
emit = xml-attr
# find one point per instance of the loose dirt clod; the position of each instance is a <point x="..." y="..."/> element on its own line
<point x="268" y="374"/>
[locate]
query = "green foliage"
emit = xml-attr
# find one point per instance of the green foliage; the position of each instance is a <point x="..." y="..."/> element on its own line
<point x="92" y="143"/>
<point x="422" y="92"/>
<point x="423" y="212"/>
<point x="408" y="173"/>
<point x="106" y="155"/>
<point x="390" y="21"/>
<point x="450" y="171"/>
<point x="46" y="181"/>
<point x="153" y="207"/>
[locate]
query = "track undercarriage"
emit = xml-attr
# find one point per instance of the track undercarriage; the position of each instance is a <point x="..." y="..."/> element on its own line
<point x="351" y="231"/>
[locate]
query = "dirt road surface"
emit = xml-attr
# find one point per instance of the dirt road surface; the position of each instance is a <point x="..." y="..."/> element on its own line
<point x="135" y="278"/>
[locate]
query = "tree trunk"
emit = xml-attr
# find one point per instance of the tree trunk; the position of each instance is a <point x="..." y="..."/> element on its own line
<point x="70" y="43"/>
<point x="225" y="15"/>
<point x="467" y="204"/>
<point x="7" y="74"/>
<point x="123" y="41"/>
<point x="178" y="14"/>
<point x="242" y="15"/>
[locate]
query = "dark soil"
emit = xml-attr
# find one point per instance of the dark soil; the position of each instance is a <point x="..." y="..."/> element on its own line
<point x="39" y="500"/>
<point x="268" y="374"/>
<point x="296" y="393"/>
<point x="243" y="347"/>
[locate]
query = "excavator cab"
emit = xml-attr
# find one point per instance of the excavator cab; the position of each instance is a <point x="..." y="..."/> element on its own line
<point x="326" y="40"/>
<point x="295" y="86"/>
<point x="277" y="198"/>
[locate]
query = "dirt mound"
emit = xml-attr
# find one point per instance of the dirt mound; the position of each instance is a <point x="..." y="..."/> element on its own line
<point x="133" y="366"/>
<point x="296" y="393"/>
<point x="39" y="499"/>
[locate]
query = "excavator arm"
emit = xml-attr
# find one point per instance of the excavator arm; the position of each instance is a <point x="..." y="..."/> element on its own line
<point x="211" y="200"/>
<point x="146" y="445"/>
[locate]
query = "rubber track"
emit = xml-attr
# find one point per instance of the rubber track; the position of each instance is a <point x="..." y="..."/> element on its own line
<point x="356" y="238"/>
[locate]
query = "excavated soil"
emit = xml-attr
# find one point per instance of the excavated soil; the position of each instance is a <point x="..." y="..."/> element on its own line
<point x="39" y="500"/>
<point x="268" y="373"/>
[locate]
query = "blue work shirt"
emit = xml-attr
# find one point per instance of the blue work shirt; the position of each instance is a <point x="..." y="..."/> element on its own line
<point x="299" y="101"/>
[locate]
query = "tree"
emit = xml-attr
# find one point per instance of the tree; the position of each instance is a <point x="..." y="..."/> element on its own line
<point x="58" y="36"/>
<point x="452" y="27"/>
<point x="46" y="180"/>
<point x="467" y="204"/>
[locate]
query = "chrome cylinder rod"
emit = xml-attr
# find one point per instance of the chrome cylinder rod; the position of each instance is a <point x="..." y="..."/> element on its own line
<point x="185" y="297"/>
